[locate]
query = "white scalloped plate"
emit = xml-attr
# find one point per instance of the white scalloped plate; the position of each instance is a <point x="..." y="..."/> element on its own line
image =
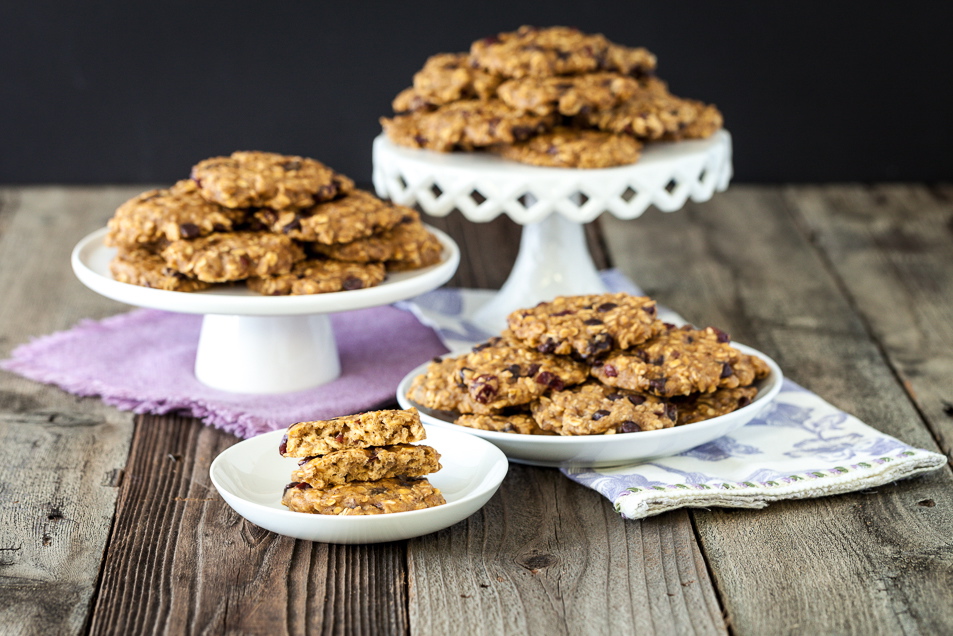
<point x="610" y="450"/>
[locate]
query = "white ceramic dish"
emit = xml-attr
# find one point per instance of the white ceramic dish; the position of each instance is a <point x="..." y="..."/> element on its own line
<point x="91" y="259"/>
<point x="610" y="450"/>
<point x="251" y="477"/>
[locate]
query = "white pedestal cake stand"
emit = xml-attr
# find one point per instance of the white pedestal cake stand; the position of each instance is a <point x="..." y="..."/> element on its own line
<point x="550" y="203"/>
<point x="261" y="344"/>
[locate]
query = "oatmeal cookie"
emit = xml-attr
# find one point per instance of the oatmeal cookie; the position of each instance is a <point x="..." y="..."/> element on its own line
<point x="374" y="428"/>
<point x="367" y="464"/>
<point x="440" y="388"/>
<point x="169" y="214"/>
<point x="357" y="215"/>
<point x="520" y="423"/>
<point x="363" y="497"/>
<point x="704" y="406"/>
<point x="449" y="77"/>
<point x="596" y="409"/>
<point x="409" y="100"/>
<point x="706" y="122"/>
<point x="232" y="256"/>
<point x="407" y="245"/>
<point x="140" y="266"/>
<point x="465" y="124"/>
<point x="569" y="95"/>
<point x="536" y="51"/>
<point x="636" y="61"/>
<point x="266" y="179"/>
<point x="319" y="276"/>
<point x="681" y="361"/>
<point x="648" y="115"/>
<point x="586" y="326"/>
<point x="573" y="148"/>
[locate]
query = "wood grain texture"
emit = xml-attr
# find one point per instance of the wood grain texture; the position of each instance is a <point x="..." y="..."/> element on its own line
<point x="872" y="562"/>
<point x="61" y="457"/>
<point x="547" y="556"/>
<point x="891" y="246"/>
<point x="182" y="561"/>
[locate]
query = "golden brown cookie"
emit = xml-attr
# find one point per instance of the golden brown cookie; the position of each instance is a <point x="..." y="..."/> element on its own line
<point x="362" y="430"/>
<point x="573" y="148"/>
<point x="367" y="464"/>
<point x="363" y="497"/>
<point x="357" y="215"/>
<point x="596" y="409"/>
<point x="587" y="326"/>
<point x="519" y="423"/>
<point x="440" y="387"/>
<point x="681" y="361"/>
<point x="319" y="276"/>
<point x="232" y="256"/>
<point x="449" y="77"/>
<point x="142" y="267"/>
<point x="698" y="407"/>
<point x="567" y="95"/>
<point x="169" y="214"/>
<point x="707" y="121"/>
<point x="407" y="245"/>
<point x="540" y="52"/>
<point x="647" y="115"/>
<point x="266" y="179"/>
<point x="465" y="124"/>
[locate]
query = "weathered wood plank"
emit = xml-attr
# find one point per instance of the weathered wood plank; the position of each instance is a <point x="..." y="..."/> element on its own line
<point x="848" y="564"/>
<point x="181" y="561"/>
<point x="547" y="556"/>
<point x="892" y="248"/>
<point x="61" y="457"/>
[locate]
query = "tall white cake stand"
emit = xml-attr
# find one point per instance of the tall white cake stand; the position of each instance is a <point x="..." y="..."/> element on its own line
<point x="261" y="344"/>
<point x="550" y="203"/>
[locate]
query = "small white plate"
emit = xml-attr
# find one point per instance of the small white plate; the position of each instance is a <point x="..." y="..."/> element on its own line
<point x="609" y="450"/>
<point x="91" y="257"/>
<point x="251" y="477"/>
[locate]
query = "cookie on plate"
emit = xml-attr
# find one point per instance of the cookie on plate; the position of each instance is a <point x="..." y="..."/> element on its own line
<point x="533" y="51"/>
<point x="648" y="115"/>
<point x="399" y="494"/>
<point x="168" y="214"/>
<point x="567" y="95"/>
<point x="681" y="361"/>
<point x="374" y="428"/>
<point x="698" y="407"/>
<point x="367" y="464"/>
<point x="573" y="148"/>
<point x="407" y="245"/>
<point x="357" y="215"/>
<point x="319" y="276"/>
<point x="142" y="267"/>
<point x="266" y="179"/>
<point x="586" y="326"/>
<point x="595" y="409"/>
<point x="448" y="77"/>
<point x="465" y="124"/>
<point x="232" y="256"/>
<point x="519" y="423"/>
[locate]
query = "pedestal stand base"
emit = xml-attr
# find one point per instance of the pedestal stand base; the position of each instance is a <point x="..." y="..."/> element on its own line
<point x="266" y="354"/>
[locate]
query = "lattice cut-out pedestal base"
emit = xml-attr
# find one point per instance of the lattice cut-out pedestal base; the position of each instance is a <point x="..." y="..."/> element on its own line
<point x="550" y="203"/>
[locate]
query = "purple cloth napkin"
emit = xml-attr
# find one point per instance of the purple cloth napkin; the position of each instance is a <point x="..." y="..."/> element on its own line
<point x="143" y="361"/>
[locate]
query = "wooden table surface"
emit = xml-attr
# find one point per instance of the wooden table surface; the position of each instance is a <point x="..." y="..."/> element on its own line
<point x="109" y="524"/>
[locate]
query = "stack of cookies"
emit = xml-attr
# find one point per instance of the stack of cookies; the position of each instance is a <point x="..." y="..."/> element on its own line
<point x="549" y="97"/>
<point x="280" y="224"/>
<point x="364" y="464"/>
<point x="591" y="365"/>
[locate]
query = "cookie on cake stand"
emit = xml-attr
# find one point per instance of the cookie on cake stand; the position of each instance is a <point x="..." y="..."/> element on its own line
<point x="551" y="204"/>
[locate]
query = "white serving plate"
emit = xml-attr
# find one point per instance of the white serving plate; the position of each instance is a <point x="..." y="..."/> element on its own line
<point x="609" y="450"/>
<point x="91" y="257"/>
<point x="251" y="477"/>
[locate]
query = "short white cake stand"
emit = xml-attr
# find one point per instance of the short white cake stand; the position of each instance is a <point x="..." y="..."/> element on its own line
<point x="550" y="203"/>
<point x="251" y="343"/>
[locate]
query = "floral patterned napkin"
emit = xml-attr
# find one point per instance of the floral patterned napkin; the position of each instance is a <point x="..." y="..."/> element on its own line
<point x="800" y="447"/>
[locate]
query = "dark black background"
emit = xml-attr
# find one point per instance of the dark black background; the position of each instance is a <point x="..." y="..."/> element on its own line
<point x="122" y="92"/>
